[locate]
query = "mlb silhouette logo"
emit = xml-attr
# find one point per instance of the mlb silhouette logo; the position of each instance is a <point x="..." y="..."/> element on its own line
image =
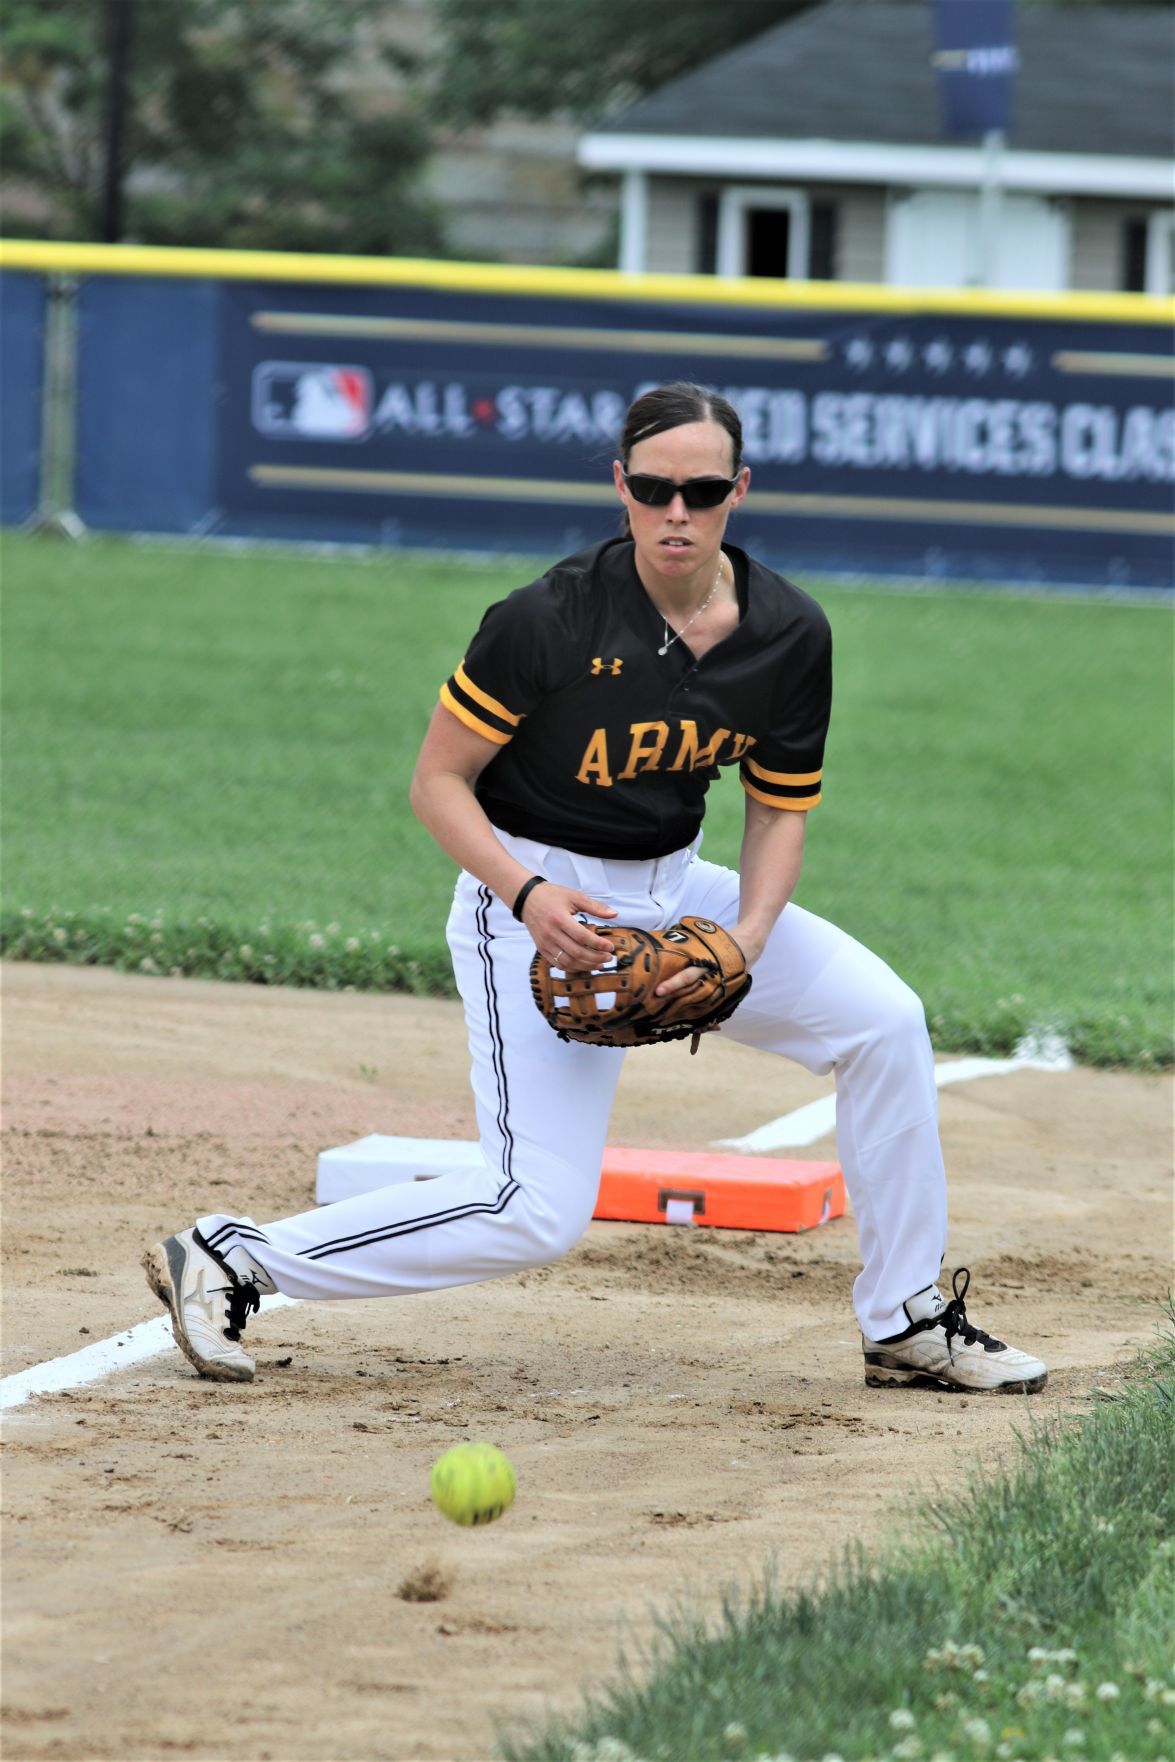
<point x="306" y="400"/>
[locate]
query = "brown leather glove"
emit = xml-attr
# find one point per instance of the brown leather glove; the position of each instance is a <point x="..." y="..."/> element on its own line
<point x="616" y="1004"/>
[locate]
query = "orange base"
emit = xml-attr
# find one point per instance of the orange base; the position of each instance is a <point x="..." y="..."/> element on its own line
<point x="730" y="1192"/>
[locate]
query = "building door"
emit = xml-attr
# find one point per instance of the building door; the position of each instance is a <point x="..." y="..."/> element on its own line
<point x="762" y="231"/>
<point x="934" y="238"/>
<point x="766" y="242"/>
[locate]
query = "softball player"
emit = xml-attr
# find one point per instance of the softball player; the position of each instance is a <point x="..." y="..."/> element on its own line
<point x="565" y="770"/>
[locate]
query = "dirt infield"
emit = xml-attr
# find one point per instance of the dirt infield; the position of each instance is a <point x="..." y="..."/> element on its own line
<point x="220" y="1572"/>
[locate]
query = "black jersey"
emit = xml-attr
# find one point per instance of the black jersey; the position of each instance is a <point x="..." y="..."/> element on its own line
<point x="607" y="747"/>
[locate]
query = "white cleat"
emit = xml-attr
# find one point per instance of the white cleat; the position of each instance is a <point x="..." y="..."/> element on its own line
<point x="209" y="1305"/>
<point x="941" y="1349"/>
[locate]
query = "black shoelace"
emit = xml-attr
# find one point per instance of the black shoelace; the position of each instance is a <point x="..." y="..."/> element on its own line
<point x="243" y="1301"/>
<point x="954" y="1319"/>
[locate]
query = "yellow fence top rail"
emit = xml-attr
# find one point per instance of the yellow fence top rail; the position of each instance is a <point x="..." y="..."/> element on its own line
<point x="51" y="258"/>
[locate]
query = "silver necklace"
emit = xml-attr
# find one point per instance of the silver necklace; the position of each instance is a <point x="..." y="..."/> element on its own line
<point x="677" y="634"/>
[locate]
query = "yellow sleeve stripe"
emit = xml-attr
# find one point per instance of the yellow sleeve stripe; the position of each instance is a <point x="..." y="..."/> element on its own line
<point x="789" y="777"/>
<point x="483" y="697"/>
<point x="780" y="801"/>
<point x="471" y="721"/>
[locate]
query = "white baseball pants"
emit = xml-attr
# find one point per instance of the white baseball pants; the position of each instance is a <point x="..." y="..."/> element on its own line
<point x="818" y="998"/>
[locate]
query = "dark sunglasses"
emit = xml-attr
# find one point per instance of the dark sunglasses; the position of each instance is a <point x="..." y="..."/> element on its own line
<point x="695" y="492"/>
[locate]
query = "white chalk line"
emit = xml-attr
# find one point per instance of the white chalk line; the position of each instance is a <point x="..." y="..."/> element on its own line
<point x="94" y="1362"/>
<point x="792" y="1131"/>
<point x="804" y="1125"/>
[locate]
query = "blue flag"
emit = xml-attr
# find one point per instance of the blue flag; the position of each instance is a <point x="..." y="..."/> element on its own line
<point x="976" y="60"/>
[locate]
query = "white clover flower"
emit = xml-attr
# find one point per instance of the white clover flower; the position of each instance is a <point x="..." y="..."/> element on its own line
<point x="901" y="1719"/>
<point x="245" y="951"/>
<point x="977" y="1732"/>
<point x="1153" y="1689"/>
<point x="1103" y="1526"/>
<point x="147" y="965"/>
<point x="157" y="923"/>
<point x="1167" y="1698"/>
<point x="971" y="1655"/>
<point x="734" y="1735"/>
<point x="1037" y="1657"/>
<point x="352" y="945"/>
<point x="1066" y="1655"/>
<point x="26" y="911"/>
<point x="60" y="935"/>
<point x="1075" y="1694"/>
<point x="1029" y="1695"/>
<point x="1074" y="1738"/>
<point x="1054" y="1686"/>
<point x="79" y="937"/>
<point x="908" y="1750"/>
<point x="156" y="938"/>
<point x="316" y="939"/>
<point x="334" y="929"/>
<point x="1107" y="1691"/>
<point x="932" y="1659"/>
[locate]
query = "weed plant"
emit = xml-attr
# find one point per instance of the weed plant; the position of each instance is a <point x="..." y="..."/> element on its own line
<point x="1031" y="1622"/>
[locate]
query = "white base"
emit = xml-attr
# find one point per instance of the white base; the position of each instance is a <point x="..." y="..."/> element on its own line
<point x="380" y="1161"/>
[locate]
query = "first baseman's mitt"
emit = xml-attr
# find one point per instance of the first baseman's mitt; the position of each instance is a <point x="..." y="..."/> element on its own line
<point x="616" y="1004"/>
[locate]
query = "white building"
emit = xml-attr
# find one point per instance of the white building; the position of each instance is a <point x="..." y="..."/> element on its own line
<point x="814" y="152"/>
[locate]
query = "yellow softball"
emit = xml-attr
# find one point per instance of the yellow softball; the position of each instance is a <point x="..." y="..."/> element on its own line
<point x="473" y="1483"/>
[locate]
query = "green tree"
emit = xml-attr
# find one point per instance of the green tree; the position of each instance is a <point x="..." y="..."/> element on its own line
<point x="580" y="57"/>
<point x="586" y="57"/>
<point x="247" y="125"/>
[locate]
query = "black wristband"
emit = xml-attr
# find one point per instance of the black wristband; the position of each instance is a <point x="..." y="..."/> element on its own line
<point x="524" y="894"/>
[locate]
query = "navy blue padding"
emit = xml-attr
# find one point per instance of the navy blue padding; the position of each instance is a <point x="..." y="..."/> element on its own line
<point x="147" y="397"/>
<point x="22" y="370"/>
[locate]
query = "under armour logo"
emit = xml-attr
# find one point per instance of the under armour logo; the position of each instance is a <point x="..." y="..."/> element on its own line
<point x="599" y="666"/>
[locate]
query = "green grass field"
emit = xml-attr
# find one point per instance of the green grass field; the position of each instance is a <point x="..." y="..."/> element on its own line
<point x="206" y="758"/>
<point x="1030" y="1622"/>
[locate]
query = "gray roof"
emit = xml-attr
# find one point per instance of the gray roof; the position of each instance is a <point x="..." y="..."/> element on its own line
<point x="1092" y="79"/>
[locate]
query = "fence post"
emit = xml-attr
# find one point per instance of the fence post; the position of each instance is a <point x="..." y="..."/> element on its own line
<point x="55" y="512"/>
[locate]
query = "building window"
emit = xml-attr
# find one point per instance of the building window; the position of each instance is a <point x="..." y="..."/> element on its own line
<point x="1134" y="256"/>
<point x="707" y="233"/>
<point x="822" y="244"/>
<point x="1148" y="253"/>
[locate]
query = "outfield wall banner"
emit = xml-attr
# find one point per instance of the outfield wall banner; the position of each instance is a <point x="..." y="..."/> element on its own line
<point x="934" y="443"/>
<point x="888" y="432"/>
<point x="22" y="372"/>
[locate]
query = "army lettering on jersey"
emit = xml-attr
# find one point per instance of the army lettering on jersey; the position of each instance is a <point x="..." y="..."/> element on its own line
<point x="607" y="747"/>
